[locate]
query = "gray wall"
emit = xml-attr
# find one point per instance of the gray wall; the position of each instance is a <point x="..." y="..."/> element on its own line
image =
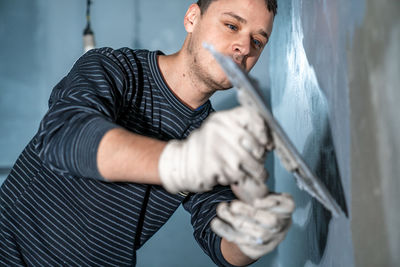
<point x="374" y="60"/>
<point x="330" y="72"/>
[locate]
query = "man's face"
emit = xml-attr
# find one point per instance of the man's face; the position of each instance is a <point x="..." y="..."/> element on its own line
<point x="237" y="28"/>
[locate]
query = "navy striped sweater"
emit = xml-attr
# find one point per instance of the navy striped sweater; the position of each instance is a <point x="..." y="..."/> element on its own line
<point x="56" y="209"/>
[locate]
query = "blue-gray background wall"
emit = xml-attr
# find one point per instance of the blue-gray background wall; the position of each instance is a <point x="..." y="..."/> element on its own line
<point x="304" y="72"/>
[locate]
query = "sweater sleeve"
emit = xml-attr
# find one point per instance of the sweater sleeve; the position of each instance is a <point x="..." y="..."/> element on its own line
<point x="83" y="106"/>
<point x="202" y="208"/>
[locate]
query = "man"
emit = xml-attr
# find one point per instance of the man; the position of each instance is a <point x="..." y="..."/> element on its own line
<point x="118" y="148"/>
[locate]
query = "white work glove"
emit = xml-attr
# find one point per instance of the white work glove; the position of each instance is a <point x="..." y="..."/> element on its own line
<point x="229" y="146"/>
<point x="256" y="228"/>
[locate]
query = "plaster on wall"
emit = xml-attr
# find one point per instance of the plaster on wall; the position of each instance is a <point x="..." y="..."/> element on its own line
<point x="300" y="102"/>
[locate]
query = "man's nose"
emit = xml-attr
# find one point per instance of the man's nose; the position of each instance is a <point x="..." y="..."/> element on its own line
<point x="242" y="46"/>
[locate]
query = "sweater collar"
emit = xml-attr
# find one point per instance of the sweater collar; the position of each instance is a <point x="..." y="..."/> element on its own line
<point x="183" y="110"/>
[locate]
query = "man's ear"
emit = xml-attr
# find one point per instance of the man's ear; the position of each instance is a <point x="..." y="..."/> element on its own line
<point x="192" y="15"/>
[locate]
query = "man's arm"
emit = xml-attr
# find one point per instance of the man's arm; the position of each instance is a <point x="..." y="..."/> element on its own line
<point x="119" y="145"/>
<point x="83" y="107"/>
<point x="80" y="135"/>
<point x="129" y="157"/>
<point x="179" y="164"/>
<point x="232" y="254"/>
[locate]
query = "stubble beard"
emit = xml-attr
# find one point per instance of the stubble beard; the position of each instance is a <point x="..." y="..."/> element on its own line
<point x="200" y="73"/>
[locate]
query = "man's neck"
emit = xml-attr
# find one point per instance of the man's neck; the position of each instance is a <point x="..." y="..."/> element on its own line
<point x="181" y="81"/>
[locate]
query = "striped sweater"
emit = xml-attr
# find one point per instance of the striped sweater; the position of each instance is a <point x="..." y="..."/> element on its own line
<point x="56" y="208"/>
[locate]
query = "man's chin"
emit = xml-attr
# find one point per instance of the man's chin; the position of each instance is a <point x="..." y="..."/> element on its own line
<point x="226" y="83"/>
<point x="225" y="86"/>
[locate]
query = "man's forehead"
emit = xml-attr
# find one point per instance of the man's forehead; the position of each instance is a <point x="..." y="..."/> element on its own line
<point x="244" y="11"/>
<point x="235" y="16"/>
<point x="239" y="8"/>
<point x="236" y="4"/>
<point x="244" y="21"/>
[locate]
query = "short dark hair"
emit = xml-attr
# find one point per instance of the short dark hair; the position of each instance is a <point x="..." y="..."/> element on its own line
<point x="272" y="5"/>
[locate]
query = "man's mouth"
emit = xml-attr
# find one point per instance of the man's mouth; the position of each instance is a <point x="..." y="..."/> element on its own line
<point x="239" y="60"/>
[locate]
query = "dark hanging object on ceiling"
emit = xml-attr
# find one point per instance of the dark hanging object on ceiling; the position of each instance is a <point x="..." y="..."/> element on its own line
<point x="88" y="35"/>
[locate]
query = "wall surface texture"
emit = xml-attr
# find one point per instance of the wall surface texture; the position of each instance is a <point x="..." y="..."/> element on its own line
<point x="374" y="61"/>
<point x="334" y="72"/>
<point x="309" y="88"/>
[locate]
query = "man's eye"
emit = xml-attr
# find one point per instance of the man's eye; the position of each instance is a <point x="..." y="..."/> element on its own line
<point x="232" y="27"/>
<point x="257" y="43"/>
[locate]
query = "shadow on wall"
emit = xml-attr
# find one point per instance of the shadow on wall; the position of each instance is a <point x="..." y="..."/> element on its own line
<point x="326" y="168"/>
<point x="312" y="223"/>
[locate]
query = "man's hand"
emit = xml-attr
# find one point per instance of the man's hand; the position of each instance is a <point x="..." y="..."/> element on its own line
<point x="229" y="146"/>
<point x="257" y="228"/>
